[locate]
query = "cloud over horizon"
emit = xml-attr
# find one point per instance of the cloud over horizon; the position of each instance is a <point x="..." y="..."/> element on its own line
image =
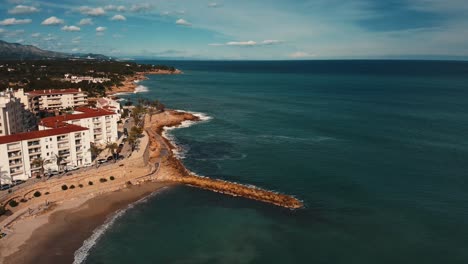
<point x="259" y="29"/>
<point x="52" y="21"/>
<point x="14" y="21"/>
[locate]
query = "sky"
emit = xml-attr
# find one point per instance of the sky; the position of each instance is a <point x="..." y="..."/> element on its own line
<point x="241" y="29"/>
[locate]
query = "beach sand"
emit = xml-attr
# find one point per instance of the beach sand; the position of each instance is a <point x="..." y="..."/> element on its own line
<point x="54" y="237"/>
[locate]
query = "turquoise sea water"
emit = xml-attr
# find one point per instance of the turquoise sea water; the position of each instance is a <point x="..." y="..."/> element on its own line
<point x="377" y="150"/>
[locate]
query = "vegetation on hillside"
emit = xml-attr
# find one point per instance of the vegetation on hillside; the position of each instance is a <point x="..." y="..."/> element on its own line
<point x="49" y="74"/>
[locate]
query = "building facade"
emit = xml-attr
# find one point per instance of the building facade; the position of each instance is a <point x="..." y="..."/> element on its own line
<point x="40" y="100"/>
<point x="11" y="114"/>
<point x="109" y="104"/>
<point x="17" y="152"/>
<point x="101" y="123"/>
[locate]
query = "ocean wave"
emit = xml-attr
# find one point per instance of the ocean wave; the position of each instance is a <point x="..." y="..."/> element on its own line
<point x="141" y="89"/>
<point x="180" y="150"/>
<point x="82" y="253"/>
<point x="122" y="93"/>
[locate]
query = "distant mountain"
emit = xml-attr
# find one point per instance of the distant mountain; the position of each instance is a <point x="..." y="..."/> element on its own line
<point x="16" y="51"/>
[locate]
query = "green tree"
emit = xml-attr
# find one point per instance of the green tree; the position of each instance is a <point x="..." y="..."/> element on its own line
<point x="94" y="152"/>
<point x="112" y="147"/>
<point x="40" y="162"/>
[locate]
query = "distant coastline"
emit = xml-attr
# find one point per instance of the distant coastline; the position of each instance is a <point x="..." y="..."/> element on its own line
<point x="131" y="82"/>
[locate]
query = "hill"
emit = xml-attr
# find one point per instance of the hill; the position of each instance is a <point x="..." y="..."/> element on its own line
<point x="16" y="51"/>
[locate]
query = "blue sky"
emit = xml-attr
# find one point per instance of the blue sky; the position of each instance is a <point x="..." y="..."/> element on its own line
<point x="242" y="29"/>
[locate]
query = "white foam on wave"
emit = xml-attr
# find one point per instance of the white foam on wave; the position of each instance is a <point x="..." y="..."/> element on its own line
<point x="141" y="89"/>
<point x="180" y="150"/>
<point x="122" y="93"/>
<point x="82" y="253"/>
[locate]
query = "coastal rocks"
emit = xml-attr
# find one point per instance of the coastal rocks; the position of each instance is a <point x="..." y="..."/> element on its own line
<point x="175" y="171"/>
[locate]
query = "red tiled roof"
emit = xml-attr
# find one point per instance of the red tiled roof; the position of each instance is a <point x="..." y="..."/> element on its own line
<point x="54" y="91"/>
<point x="58" y="121"/>
<point x="40" y="134"/>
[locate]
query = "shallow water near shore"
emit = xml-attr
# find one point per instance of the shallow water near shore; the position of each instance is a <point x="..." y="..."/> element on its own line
<point x="377" y="151"/>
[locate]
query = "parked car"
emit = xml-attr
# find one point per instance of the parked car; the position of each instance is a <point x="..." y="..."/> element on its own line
<point x="71" y="168"/>
<point x="101" y="161"/>
<point x="51" y="173"/>
<point x="5" y="187"/>
<point x="18" y="182"/>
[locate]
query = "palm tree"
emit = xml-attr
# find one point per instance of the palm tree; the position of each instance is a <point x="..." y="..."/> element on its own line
<point x="39" y="162"/>
<point x="112" y="146"/>
<point x="94" y="152"/>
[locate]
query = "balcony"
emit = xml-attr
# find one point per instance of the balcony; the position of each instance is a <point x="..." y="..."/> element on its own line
<point x="14" y="156"/>
<point x="16" y="172"/>
<point x="34" y="151"/>
<point x="33" y="143"/>
<point x="31" y="158"/>
<point x="62" y="139"/>
<point x="16" y="163"/>
<point x="63" y="146"/>
<point x="13" y="147"/>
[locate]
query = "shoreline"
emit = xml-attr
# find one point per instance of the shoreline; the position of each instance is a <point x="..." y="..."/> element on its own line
<point x="131" y="82"/>
<point x="58" y="234"/>
<point x="55" y="236"/>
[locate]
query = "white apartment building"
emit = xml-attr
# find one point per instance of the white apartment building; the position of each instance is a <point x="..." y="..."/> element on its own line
<point x="52" y="99"/>
<point x="109" y="104"/>
<point x="101" y="123"/>
<point x="18" y="151"/>
<point x="11" y="113"/>
<point x="78" y="79"/>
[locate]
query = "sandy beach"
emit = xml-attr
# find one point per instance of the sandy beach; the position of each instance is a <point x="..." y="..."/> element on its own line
<point x="54" y="236"/>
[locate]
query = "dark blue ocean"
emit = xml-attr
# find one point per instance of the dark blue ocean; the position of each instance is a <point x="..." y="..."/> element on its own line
<point x="377" y="150"/>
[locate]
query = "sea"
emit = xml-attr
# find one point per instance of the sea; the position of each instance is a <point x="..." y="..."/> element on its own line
<point x="376" y="150"/>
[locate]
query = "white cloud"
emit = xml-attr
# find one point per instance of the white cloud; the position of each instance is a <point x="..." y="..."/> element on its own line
<point x="20" y="41"/>
<point x="249" y="43"/>
<point x="120" y="8"/>
<point x="271" y="42"/>
<point x="300" y="55"/>
<point x="100" y="29"/>
<point x="183" y="22"/>
<point x="71" y="28"/>
<point x="36" y="35"/>
<point x="75" y="49"/>
<point x="242" y="43"/>
<point x="118" y="18"/>
<point x="213" y="5"/>
<point x="50" y="37"/>
<point x="2" y="30"/>
<point x="52" y="21"/>
<point x="22" y="9"/>
<point x="85" y="22"/>
<point x="90" y="11"/>
<point x="14" y="21"/>
<point x="76" y="40"/>
<point x="15" y="33"/>
<point x="140" y="7"/>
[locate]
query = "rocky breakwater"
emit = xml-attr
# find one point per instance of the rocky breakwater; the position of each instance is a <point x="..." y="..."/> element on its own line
<point x="173" y="169"/>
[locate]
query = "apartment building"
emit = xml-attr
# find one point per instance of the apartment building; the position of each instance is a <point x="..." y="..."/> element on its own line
<point x="50" y="99"/>
<point x="17" y="152"/>
<point x="11" y="113"/>
<point x="101" y="123"/>
<point x="109" y="104"/>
